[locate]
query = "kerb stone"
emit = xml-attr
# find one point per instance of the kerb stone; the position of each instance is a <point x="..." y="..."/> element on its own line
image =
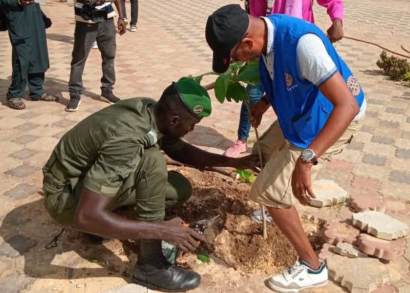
<point x="380" y="225"/>
<point x="327" y="193"/>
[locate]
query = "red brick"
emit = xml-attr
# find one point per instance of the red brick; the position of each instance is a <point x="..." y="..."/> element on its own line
<point x="339" y="165"/>
<point x="396" y="206"/>
<point x="384" y="289"/>
<point x="366" y="202"/>
<point x="383" y="249"/>
<point x="365" y="183"/>
<point x="336" y="232"/>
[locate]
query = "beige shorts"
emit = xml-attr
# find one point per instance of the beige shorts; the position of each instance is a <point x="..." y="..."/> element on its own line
<point x="272" y="187"/>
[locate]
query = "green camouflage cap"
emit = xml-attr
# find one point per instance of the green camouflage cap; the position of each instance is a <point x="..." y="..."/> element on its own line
<point x="194" y="96"/>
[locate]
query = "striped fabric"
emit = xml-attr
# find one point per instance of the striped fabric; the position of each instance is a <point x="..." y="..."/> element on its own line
<point x="106" y="6"/>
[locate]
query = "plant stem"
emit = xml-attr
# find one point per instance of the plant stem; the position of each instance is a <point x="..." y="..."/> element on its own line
<point x="265" y="231"/>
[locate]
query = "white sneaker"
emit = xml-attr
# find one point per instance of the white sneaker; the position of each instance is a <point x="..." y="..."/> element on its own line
<point x="299" y="277"/>
<point x="133" y="28"/>
<point x="257" y="217"/>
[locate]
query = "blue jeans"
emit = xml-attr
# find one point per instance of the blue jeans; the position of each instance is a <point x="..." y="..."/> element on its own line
<point x="255" y="93"/>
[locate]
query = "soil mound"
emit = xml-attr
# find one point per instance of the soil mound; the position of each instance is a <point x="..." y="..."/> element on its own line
<point x="234" y="238"/>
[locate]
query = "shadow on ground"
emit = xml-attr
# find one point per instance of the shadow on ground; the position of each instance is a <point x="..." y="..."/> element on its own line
<point x="53" y="86"/>
<point x="27" y="230"/>
<point x="208" y="137"/>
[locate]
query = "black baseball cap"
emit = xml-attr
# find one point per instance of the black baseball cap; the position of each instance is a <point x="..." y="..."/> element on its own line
<point x="225" y="28"/>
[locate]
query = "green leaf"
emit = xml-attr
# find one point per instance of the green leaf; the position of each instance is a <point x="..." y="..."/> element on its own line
<point x="204" y="258"/>
<point x="245" y="176"/>
<point x="221" y="85"/>
<point x="198" y="79"/>
<point x="237" y="92"/>
<point x="249" y="73"/>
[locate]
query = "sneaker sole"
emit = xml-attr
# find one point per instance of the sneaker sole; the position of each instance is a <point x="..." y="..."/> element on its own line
<point x="256" y="220"/>
<point x="284" y="290"/>
<point x="73" y="110"/>
<point x="156" y="288"/>
<point x="106" y="100"/>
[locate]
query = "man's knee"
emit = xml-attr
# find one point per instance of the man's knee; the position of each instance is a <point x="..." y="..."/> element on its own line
<point x="178" y="189"/>
<point x="153" y="161"/>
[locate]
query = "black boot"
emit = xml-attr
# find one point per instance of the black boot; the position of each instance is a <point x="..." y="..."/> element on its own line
<point x="154" y="272"/>
<point x="108" y="96"/>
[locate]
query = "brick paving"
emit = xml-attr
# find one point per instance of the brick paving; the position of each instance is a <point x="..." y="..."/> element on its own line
<point x="169" y="43"/>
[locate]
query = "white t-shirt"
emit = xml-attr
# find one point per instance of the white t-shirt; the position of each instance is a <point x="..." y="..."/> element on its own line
<point x="314" y="63"/>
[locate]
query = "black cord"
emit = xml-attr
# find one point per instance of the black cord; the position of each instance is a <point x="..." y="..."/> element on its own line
<point x="54" y="242"/>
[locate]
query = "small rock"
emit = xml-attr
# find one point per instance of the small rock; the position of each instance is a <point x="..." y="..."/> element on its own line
<point x="327" y="193"/>
<point x="80" y="286"/>
<point x="380" y="225"/>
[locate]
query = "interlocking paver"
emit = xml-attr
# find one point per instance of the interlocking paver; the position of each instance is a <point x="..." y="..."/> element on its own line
<point x="369" y="201"/>
<point x="403" y="153"/>
<point x="384" y="289"/>
<point x="23" y="154"/>
<point x="357" y="275"/>
<point x="380" y="225"/>
<point x="383" y="249"/>
<point x="22" y="171"/>
<point x="327" y="193"/>
<point x="25" y="139"/>
<point x="15" y="282"/>
<point x="338" y="232"/>
<point x="375" y="160"/>
<point x="21" y="191"/>
<point x="403" y="177"/>
<point x="397" y="206"/>
<point x="26" y="126"/>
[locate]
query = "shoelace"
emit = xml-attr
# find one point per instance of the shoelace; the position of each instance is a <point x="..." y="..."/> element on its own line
<point x="297" y="269"/>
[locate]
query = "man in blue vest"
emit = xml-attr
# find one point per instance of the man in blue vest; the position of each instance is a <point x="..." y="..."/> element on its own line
<point x="318" y="103"/>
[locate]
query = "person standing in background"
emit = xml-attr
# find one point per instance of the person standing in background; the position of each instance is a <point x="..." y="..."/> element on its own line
<point x="27" y="24"/>
<point x="134" y="14"/>
<point x="94" y="21"/>
<point x="296" y="8"/>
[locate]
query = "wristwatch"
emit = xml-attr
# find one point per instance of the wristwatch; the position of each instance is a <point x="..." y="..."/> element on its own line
<point x="309" y="156"/>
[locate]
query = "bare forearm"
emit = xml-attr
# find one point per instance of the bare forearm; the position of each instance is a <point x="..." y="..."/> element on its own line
<point x="93" y="216"/>
<point x="119" y="8"/>
<point x="339" y="120"/>
<point x="111" y="225"/>
<point x="192" y="155"/>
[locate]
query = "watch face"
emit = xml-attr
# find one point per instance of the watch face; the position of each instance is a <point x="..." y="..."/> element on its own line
<point x="307" y="155"/>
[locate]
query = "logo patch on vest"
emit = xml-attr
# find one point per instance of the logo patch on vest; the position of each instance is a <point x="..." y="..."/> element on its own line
<point x="198" y="109"/>
<point x="289" y="82"/>
<point x="353" y="85"/>
<point x="288" y="79"/>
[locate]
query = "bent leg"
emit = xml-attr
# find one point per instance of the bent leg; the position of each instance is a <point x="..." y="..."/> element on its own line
<point x="272" y="188"/>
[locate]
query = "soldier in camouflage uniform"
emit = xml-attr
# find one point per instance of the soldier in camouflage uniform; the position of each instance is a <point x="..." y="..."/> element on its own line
<point x="112" y="159"/>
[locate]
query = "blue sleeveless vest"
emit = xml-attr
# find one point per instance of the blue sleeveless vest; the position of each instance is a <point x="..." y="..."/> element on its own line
<point x="301" y="108"/>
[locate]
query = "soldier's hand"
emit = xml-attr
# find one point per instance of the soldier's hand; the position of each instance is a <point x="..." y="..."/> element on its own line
<point x="246" y="162"/>
<point x="183" y="237"/>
